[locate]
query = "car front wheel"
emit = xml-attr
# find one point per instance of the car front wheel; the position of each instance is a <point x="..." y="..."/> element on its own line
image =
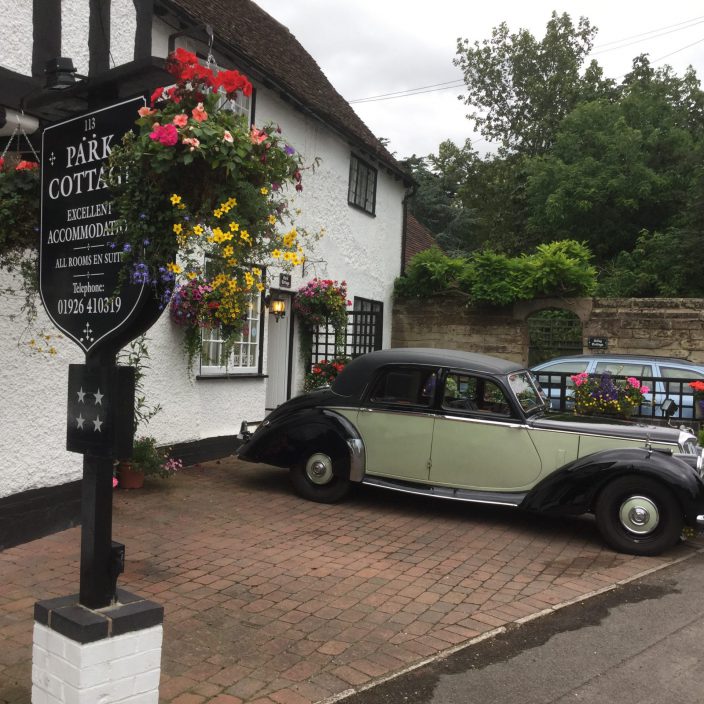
<point x="314" y="479"/>
<point x="638" y="516"/>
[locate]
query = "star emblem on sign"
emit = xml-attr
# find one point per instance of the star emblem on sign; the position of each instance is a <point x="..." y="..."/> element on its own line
<point x="99" y="398"/>
<point x="97" y="423"/>
<point x="80" y="421"/>
<point x="81" y="395"/>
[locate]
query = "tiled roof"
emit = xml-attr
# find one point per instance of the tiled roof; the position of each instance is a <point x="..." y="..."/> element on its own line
<point x="418" y="238"/>
<point x="270" y="47"/>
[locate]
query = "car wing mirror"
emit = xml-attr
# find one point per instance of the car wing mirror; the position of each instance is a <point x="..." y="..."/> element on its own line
<point x="668" y="407"/>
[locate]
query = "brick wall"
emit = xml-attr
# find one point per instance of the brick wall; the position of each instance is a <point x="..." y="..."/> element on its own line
<point x="672" y="327"/>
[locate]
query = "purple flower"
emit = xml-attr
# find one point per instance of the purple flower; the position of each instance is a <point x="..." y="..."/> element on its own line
<point x="289" y="150"/>
<point x="127" y="247"/>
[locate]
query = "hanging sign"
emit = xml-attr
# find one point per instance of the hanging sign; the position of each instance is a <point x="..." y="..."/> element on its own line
<point x="79" y="262"/>
<point x="598" y="343"/>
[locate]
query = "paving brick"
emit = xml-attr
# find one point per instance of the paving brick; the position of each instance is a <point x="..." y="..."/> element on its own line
<point x="274" y="600"/>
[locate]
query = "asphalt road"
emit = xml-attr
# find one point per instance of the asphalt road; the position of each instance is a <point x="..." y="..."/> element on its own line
<point x="642" y="642"/>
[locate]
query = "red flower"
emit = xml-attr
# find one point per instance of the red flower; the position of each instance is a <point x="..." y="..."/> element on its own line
<point x="231" y="82"/>
<point x="2" y="163"/>
<point x="156" y="95"/>
<point x="27" y="166"/>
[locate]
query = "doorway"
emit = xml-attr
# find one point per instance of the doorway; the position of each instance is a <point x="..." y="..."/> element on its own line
<point x="278" y="357"/>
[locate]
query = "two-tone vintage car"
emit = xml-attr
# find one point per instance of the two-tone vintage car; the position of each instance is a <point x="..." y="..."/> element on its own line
<point x="475" y="428"/>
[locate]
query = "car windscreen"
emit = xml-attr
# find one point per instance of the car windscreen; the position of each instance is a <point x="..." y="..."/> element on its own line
<point x="527" y="391"/>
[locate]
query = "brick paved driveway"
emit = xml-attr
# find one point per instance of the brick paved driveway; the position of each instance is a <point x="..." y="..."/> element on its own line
<point x="270" y="598"/>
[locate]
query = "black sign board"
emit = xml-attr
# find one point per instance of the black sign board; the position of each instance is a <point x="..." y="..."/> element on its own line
<point x="284" y="280"/>
<point x="79" y="262"/>
<point x="100" y="410"/>
<point x="598" y="343"/>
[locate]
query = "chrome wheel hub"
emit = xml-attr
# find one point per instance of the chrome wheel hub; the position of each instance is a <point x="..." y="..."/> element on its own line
<point x="639" y="515"/>
<point x="319" y="468"/>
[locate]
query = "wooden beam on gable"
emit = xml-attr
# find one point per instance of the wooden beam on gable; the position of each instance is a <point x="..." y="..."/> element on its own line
<point x="46" y="34"/>
<point x="99" y="37"/>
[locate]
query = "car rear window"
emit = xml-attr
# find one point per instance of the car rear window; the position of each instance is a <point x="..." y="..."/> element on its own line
<point x="405" y="387"/>
<point x="618" y="368"/>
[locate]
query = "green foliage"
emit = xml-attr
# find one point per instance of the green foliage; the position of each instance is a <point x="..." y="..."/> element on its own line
<point x="136" y="355"/>
<point x="492" y="278"/>
<point x="560" y="269"/>
<point x="152" y="460"/>
<point x="521" y="87"/>
<point x="497" y="279"/>
<point x="429" y="272"/>
<point x="659" y="265"/>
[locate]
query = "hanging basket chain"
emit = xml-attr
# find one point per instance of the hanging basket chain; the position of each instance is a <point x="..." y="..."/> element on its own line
<point x="16" y="133"/>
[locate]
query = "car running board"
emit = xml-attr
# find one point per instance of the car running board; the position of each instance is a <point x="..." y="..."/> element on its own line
<point x="443" y="492"/>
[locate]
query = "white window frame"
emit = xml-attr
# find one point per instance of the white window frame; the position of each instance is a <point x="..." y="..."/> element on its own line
<point x="246" y="355"/>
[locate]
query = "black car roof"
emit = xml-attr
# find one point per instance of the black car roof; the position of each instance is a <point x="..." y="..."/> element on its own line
<point x="357" y="373"/>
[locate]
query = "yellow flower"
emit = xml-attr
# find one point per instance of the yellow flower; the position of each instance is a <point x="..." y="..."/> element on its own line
<point x="191" y="275"/>
<point x="198" y="230"/>
<point x="249" y="279"/>
<point x="175" y="200"/>
<point x="231" y="202"/>
<point x="257" y="272"/>
<point x="181" y="206"/>
<point x="217" y="213"/>
<point x="174" y="268"/>
<point x="272" y="219"/>
<point x="232" y="262"/>
<point x="234" y="226"/>
<point x="178" y="228"/>
<point x="228" y="251"/>
<point x="276" y="254"/>
<point x="260" y="287"/>
<point x="264" y="191"/>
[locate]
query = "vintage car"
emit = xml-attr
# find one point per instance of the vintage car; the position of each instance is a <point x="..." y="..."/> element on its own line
<point x="475" y="428"/>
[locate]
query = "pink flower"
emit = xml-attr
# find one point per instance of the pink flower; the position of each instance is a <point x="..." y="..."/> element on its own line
<point x="645" y="389"/>
<point x="227" y="137"/>
<point x="633" y="382"/>
<point x="257" y="136"/>
<point x="180" y="120"/>
<point x="164" y="134"/>
<point x="191" y="142"/>
<point x="146" y="112"/>
<point x="199" y="114"/>
<point x="580" y="378"/>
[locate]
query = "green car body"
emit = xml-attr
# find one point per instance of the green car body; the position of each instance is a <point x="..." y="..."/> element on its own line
<point x="475" y="428"/>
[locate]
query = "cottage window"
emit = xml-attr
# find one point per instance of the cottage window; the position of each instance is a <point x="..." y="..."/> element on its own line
<point x="362" y="187"/>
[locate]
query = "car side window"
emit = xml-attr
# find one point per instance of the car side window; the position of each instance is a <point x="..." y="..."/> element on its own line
<point x="406" y="387"/>
<point x="679" y="387"/>
<point x="637" y="370"/>
<point x="463" y="392"/>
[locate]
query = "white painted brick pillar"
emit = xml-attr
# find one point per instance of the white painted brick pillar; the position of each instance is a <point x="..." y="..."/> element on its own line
<point x="97" y="656"/>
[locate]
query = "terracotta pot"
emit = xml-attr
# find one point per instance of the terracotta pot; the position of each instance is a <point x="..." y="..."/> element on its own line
<point x="129" y="477"/>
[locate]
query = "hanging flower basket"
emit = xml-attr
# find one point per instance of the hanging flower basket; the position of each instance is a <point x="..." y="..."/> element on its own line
<point x="19" y="208"/>
<point x="194" y="184"/>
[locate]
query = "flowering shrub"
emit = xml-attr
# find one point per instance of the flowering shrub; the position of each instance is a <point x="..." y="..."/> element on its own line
<point x="152" y="460"/>
<point x="323" y="301"/>
<point x="195" y="182"/>
<point x="324" y="372"/>
<point x="602" y="395"/>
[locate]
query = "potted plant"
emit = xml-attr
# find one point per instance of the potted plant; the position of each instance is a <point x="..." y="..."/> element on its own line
<point x="603" y="395"/>
<point x="148" y="460"/>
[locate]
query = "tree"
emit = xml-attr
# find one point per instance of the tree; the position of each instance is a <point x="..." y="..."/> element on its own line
<point x="521" y="88"/>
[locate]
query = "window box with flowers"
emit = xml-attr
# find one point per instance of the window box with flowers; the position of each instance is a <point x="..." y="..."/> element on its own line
<point x="602" y="395"/>
<point x="203" y="186"/>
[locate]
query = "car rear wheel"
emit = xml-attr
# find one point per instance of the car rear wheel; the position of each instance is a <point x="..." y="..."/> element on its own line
<point x="314" y="478"/>
<point x="638" y="516"/>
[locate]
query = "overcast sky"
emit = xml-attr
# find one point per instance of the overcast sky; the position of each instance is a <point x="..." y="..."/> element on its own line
<point x="369" y="48"/>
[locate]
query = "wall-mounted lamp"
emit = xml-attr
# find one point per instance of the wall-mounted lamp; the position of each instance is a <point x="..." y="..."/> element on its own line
<point x="60" y="73"/>
<point x="276" y="306"/>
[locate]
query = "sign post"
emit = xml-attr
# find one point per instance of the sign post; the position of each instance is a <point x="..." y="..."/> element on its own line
<point x="90" y="299"/>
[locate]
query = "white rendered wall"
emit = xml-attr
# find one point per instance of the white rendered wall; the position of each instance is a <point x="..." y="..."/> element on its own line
<point x="361" y="249"/>
<point x="16" y="36"/>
